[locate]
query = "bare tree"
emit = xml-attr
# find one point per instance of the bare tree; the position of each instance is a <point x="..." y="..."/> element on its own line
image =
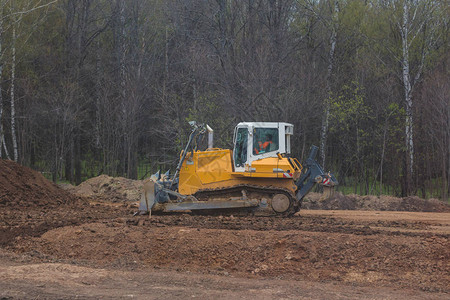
<point x="435" y="106"/>
<point x="12" y="88"/>
<point x="16" y="13"/>
<point x="2" y="136"/>
<point x="332" y="25"/>
<point x="416" y="23"/>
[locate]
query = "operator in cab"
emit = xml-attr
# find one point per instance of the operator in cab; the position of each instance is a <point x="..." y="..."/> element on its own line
<point x="264" y="146"/>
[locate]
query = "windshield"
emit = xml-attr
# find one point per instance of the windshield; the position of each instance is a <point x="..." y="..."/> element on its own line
<point x="265" y="140"/>
<point x="240" y="151"/>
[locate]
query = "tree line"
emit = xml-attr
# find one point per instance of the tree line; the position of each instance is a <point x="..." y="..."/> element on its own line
<point x="96" y="86"/>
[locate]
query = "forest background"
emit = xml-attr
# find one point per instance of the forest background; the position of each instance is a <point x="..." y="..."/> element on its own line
<point x="93" y="87"/>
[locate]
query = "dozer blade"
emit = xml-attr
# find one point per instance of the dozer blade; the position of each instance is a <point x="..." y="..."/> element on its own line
<point x="328" y="192"/>
<point x="147" y="197"/>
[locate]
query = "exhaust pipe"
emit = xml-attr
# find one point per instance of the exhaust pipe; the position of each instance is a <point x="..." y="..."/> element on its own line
<point x="210" y="137"/>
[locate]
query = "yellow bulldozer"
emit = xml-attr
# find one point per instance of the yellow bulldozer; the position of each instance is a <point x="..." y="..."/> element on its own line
<point x="257" y="175"/>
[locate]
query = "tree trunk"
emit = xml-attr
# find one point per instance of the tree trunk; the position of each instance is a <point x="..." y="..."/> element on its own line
<point x="446" y="195"/>
<point x="382" y="158"/>
<point x="1" y="79"/>
<point x="121" y="49"/>
<point x="326" y="112"/>
<point x="409" y="142"/>
<point x="166" y="65"/>
<point x="77" y="155"/>
<point x="13" y="108"/>
<point x="69" y="162"/>
<point x="97" y="97"/>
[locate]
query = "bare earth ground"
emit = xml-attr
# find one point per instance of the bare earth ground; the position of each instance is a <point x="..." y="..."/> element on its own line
<point x="54" y="245"/>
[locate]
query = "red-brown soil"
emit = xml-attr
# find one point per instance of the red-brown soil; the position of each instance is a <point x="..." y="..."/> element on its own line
<point x="96" y="249"/>
<point x="121" y="189"/>
<point x="22" y="187"/>
<point x="112" y="189"/>
<point x="369" y="202"/>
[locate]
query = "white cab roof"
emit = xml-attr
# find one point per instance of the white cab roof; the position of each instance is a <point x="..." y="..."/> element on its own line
<point x="264" y="124"/>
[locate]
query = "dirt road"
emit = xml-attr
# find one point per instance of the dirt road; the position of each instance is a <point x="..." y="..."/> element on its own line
<point x="69" y="281"/>
<point x="95" y="251"/>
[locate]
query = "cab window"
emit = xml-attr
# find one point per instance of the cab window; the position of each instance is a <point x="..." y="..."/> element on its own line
<point x="265" y="140"/>
<point x="240" y="151"/>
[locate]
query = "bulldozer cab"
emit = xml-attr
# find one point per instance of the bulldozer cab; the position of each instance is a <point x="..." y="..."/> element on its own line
<point x="258" y="140"/>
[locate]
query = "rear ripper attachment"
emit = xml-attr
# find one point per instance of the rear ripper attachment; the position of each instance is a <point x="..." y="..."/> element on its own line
<point x="257" y="175"/>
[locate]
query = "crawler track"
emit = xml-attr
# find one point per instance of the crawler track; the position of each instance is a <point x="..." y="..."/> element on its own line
<point x="252" y="192"/>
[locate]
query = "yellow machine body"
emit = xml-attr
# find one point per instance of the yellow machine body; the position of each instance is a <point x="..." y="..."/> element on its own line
<point x="213" y="169"/>
<point x="256" y="176"/>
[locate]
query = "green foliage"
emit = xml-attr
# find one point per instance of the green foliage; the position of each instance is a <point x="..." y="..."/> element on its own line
<point x="395" y="118"/>
<point x="352" y="16"/>
<point x="348" y="111"/>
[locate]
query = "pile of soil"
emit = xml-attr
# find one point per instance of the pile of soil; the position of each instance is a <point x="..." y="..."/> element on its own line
<point x="22" y="187"/>
<point x="382" y="203"/>
<point x="31" y="205"/>
<point x="114" y="189"/>
<point x="346" y="251"/>
<point x="119" y="189"/>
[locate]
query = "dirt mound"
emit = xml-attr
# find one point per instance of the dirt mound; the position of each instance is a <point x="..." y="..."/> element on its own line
<point x="23" y="187"/>
<point x="119" y="189"/>
<point x="383" y="203"/>
<point x="113" y="189"/>
<point x="354" y="258"/>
